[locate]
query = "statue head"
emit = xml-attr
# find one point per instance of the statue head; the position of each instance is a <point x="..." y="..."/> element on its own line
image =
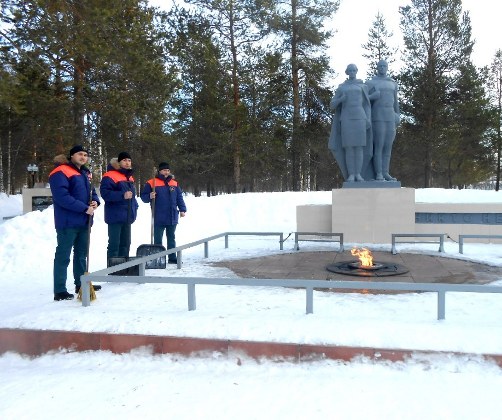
<point x="382" y="68"/>
<point x="351" y="71"/>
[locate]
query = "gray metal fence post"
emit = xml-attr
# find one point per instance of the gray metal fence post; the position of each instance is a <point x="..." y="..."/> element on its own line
<point x="441" y="243"/>
<point x="206" y="249"/>
<point x="310" y="299"/>
<point x="441" y="304"/>
<point x="86" y="292"/>
<point x="226" y="241"/>
<point x="141" y="270"/>
<point x="296" y="241"/>
<point x="460" y="244"/>
<point x="393" y="251"/>
<point x="179" y="259"/>
<point x="191" y="296"/>
<point x="281" y="239"/>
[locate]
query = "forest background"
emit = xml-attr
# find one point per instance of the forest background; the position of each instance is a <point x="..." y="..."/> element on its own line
<point x="235" y="93"/>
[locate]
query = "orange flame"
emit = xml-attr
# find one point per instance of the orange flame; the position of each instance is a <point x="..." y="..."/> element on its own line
<point x="364" y="255"/>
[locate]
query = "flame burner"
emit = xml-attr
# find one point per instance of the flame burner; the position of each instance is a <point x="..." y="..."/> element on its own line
<point x="366" y="267"/>
<point x="354" y="268"/>
<point x="373" y="266"/>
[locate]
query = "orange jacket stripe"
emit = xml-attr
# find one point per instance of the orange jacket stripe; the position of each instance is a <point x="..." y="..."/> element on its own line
<point x="160" y="183"/>
<point x="68" y="171"/>
<point x="117" y="177"/>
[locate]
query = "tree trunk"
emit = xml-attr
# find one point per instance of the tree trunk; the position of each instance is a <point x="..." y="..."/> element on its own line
<point x="236" y="102"/>
<point x="499" y="134"/>
<point x="78" y="108"/>
<point x="295" y="154"/>
<point x="9" y="159"/>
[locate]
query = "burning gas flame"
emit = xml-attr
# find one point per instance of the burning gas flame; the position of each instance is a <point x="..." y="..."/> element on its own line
<point x="364" y="255"/>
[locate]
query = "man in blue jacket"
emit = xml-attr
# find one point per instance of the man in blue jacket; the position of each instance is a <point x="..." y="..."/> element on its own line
<point x="74" y="202"/>
<point x="168" y="201"/>
<point x="118" y="191"/>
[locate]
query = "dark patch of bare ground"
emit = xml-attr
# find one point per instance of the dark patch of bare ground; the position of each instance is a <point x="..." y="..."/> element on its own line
<point x="312" y="265"/>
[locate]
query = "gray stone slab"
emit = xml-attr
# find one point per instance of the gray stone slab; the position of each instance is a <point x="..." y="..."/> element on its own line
<point x="372" y="184"/>
<point x="312" y="265"/>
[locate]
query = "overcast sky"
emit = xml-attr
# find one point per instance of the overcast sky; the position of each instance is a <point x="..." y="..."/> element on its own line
<point x="355" y="17"/>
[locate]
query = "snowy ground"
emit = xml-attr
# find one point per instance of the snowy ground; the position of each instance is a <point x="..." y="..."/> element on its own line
<point x="208" y="386"/>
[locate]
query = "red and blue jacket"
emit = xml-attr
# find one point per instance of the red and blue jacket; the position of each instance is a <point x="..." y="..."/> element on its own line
<point x="71" y="194"/>
<point x="168" y="201"/>
<point x="114" y="184"/>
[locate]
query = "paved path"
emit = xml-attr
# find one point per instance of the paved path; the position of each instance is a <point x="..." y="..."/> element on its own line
<point x="312" y="265"/>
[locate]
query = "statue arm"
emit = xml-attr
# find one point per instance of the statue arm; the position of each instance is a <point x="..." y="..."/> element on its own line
<point x="373" y="92"/>
<point x="337" y="100"/>
<point x="332" y="104"/>
<point x="397" y="111"/>
<point x="396" y="101"/>
<point x="367" y="104"/>
<point x="374" y="95"/>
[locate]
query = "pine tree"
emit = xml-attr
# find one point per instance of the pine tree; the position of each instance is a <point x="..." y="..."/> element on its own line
<point x="299" y="25"/>
<point x="237" y="23"/>
<point x="437" y="42"/>
<point x="465" y="157"/>
<point x="200" y="106"/>
<point x="265" y="95"/>
<point x="495" y="89"/>
<point x="97" y="74"/>
<point x="377" y="46"/>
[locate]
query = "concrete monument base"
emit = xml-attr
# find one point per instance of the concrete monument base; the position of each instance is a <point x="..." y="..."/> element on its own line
<point x="372" y="184"/>
<point x="371" y="215"/>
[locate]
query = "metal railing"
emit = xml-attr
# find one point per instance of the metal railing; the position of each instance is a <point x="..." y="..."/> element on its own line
<point x="417" y="235"/>
<point x="307" y="284"/>
<point x="339" y="235"/>
<point x="462" y="237"/>
<point x="141" y="261"/>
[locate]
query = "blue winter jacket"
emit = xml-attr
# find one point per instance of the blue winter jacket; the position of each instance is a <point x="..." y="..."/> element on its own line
<point x="114" y="184"/>
<point x="71" y="193"/>
<point x="168" y="201"/>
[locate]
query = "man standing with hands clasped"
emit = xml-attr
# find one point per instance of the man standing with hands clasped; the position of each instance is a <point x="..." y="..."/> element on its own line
<point x="74" y="203"/>
<point x="168" y="201"/>
<point x="118" y="191"/>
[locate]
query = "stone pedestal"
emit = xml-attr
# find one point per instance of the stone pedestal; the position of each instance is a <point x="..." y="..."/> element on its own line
<point x="314" y="218"/>
<point x="372" y="184"/>
<point x="371" y="215"/>
<point x="36" y="199"/>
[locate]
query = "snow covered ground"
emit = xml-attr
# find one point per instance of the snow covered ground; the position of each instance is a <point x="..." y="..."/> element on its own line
<point x="105" y="385"/>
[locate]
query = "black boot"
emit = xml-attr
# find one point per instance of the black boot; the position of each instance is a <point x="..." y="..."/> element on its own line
<point x="95" y="287"/>
<point x="63" y="296"/>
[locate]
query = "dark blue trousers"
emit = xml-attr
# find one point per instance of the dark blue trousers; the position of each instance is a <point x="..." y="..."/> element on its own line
<point x="76" y="238"/>
<point x="119" y="240"/>
<point x="158" y="233"/>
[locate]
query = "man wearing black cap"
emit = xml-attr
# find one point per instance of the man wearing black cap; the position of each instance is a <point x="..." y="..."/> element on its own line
<point x="168" y="202"/>
<point x="118" y="191"/>
<point x="74" y="202"/>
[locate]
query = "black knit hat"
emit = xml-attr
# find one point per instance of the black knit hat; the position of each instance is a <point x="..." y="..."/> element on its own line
<point x="77" y="148"/>
<point x="163" y="165"/>
<point x="123" y="155"/>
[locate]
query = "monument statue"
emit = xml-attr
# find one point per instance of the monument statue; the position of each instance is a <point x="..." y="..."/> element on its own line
<point x="350" y="138"/>
<point x="384" y="119"/>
